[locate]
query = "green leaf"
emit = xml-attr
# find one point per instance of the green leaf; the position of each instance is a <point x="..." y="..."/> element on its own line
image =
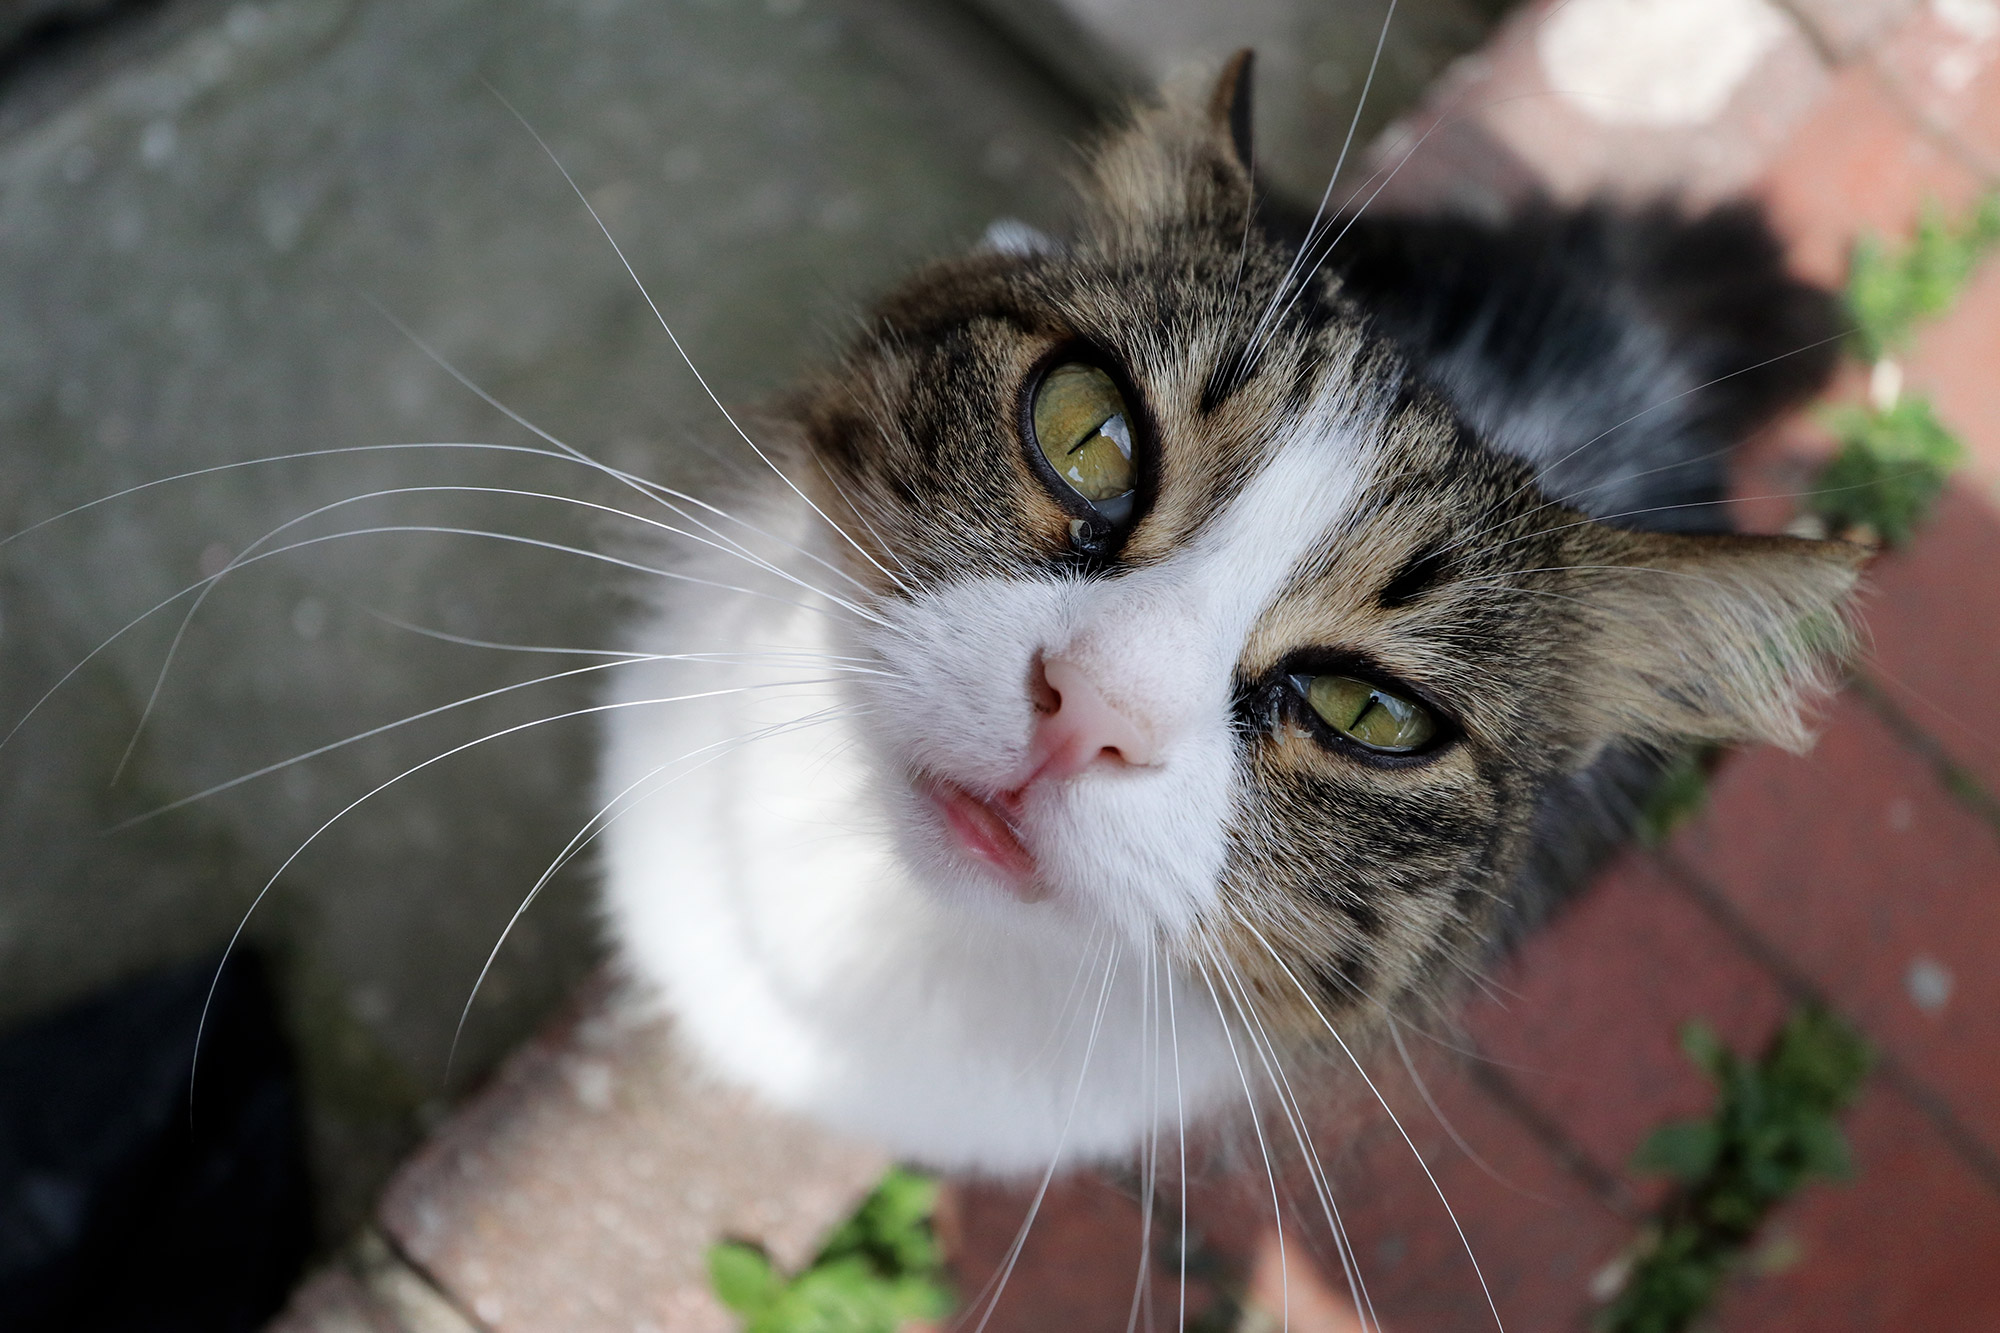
<point x="877" y="1271"/>
<point x="742" y="1277"/>
<point x="1676" y="798"/>
<point x="1772" y="1129"/>
<point x="1889" y="291"/>
<point x="1703" y="1047"/>
<point x="1889" y="471"/>
<point x="1823" y="1150"/>
<point x="1685" y="1150"/>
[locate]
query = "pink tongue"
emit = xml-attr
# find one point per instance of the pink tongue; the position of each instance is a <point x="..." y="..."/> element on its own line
<point x="987" y="836"/>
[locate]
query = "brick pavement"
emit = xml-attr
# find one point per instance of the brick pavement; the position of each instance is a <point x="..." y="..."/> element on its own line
<point x="1866" y="875"/>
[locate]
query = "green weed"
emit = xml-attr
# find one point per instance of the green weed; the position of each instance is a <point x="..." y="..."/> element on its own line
<point x="1773" y="1128"/>
<point x="1678" y="796"/>
<point x="1890" y="291"/>
<point x="880" y="1269"/>
<point x="1895" y="455"/>
<point x="1891" y="469"/>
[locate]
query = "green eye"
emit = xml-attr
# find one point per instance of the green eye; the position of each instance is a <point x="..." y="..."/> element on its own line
<point x="1367" y="714"/>
<point x="1084" y="429"/>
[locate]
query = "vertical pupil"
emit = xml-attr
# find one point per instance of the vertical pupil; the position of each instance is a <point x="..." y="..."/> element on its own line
<point x="1081" y="429"/>
<point x="1372" y="716"/>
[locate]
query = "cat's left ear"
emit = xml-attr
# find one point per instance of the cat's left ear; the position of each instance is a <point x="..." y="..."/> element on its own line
<point x="1229" y="105"/>
<point x="1716" y="638"/>
<point x="1183" y="162"/>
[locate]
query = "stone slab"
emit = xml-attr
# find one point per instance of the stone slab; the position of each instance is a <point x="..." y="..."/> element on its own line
<point x="582" y="1189"/>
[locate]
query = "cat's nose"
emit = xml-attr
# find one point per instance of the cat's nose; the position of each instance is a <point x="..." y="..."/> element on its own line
<point x="1078" y="726"/>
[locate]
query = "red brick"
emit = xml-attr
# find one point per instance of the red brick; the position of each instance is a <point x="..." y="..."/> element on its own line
<point x="1911" y="1243"/>
<point x="1950" y="72"/>
<point x="1589" y="1031"/>
<point x="1849" y="27"/>
<point x="1933" y="614"/>
<point x="1859" y="163"/>
<point x="1956" y="361"/>
<point x="1498" y="117"/>
<point x="1858" y="866"/>
<point x="1077" y="1268"/>
<point x="1539" y="1234"/>
<point x="582" y="1188"/>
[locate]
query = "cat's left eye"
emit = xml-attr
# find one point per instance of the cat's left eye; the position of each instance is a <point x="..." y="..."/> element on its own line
<point x="1374" y="717"/>
<point x="1083" y="430"/>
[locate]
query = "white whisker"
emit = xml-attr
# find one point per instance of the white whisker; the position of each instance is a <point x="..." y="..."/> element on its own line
<point x="1394" y="1119"/>
<point x="674" y="338"/>
<point x="1263" y="1148"/>
<point x="998" y="1284"/>
<point x="602" y="819"/>
<point x="257" y="900"/>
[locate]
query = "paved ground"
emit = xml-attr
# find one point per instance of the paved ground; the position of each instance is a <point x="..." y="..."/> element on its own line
<point x="1863" y="876"/>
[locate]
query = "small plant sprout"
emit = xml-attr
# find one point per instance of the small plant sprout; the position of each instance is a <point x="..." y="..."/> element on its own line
<point x="1774" y="1127"/>
<point x="1895" y="455"/>
<point x="879" y="1272"/>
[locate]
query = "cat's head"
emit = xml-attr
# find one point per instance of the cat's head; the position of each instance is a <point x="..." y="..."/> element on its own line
<point x="1207" y="621"/>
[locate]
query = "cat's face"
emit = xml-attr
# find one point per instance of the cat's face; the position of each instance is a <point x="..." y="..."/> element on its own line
<point x="1204" y="621"/>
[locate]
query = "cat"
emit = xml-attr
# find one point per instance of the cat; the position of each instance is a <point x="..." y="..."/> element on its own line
<point x="1159" y="655"/>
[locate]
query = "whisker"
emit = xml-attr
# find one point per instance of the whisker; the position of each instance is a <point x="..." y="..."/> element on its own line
<point x="1148" y="1156"/>
<point x="674" y="338"/>
<point x="1180" y="1123"/>
<point x="601" y="821"/>
<point x="1294" y="1111"/>
<point x="998" y="1285"/>
<point x="515" y="538"/>
<point x="241" y="558"/>
<point x="1394" y="1119"/>
<point x="257" y="900"/>
<point x="858" y="665"/>
<point x="1444" y="1121"/>
<point x="1340" y="162"/>
<point x="1263" y="1148"/>
<point x="279" y="458"/>
<point x="659" y="493"/>
<point x="1646" y="411"/>
<point x="401" y="722"/>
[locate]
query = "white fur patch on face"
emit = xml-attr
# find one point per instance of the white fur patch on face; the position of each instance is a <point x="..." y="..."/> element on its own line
<point x="1139" y="847"/>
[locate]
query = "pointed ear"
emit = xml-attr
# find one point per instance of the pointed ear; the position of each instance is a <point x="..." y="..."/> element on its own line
<point x="1183" y="162"/>
<point x="1720" y="638"/>
<point x="1229" y="104"/>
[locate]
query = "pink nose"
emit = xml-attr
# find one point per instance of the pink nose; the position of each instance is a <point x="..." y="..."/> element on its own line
<point x="1079" y="726"/>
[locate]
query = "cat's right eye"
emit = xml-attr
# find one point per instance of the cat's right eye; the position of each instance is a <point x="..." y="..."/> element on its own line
<point x="1083" y="430"/>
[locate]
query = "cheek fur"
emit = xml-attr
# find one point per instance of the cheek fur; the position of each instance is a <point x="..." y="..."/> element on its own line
<point x="1343" y="895"/>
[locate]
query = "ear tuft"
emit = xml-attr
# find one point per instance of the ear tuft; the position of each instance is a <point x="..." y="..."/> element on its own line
<point x="1229" y="104"/>
<point x="1721" y="638"/>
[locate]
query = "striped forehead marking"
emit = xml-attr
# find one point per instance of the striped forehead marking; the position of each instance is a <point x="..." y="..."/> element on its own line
<point x="1305" y="491"/>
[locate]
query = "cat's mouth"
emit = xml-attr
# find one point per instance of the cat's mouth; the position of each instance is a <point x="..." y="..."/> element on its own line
<point x="985" y="830"/>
